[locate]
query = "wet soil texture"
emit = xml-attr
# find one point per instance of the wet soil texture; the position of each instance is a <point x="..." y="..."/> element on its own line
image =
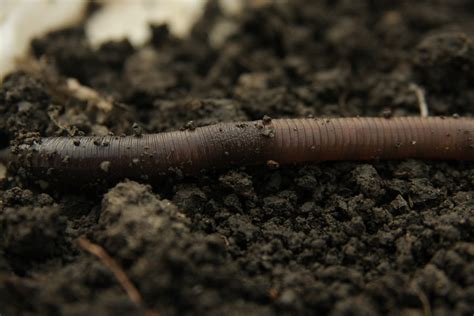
<point x="340" y="238"/>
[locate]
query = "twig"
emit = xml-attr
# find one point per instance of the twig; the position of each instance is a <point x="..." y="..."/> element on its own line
<point x="89" y="95"/>
<point x="226" y="241"/>
<point x="423" y="299"/>
<point x="114" y="267"/>
<point x="3" y="170"/>
<point x="54" y="117"/>
<point x="420" y="96"/>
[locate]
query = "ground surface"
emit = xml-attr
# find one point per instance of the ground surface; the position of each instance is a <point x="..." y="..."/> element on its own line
<point x="340" y="238"/>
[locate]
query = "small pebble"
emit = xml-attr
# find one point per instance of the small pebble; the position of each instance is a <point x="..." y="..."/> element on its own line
<point x="105" y="166"/>
<point x="272" y="164"/>
<point x="266" y="119"/>
<point x="268" y="132"/>
<point x="387" y="113"/>
<point x="137" y="130"/>
<point x="190" y="126"/>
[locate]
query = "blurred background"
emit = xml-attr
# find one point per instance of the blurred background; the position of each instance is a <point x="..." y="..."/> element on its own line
<point x="22" y="20"/>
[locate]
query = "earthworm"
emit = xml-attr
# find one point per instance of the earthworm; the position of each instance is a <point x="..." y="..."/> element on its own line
<point x="89" y="159"/>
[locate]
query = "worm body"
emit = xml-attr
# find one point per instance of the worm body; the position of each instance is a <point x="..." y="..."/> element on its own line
<point x="278" y="141"/>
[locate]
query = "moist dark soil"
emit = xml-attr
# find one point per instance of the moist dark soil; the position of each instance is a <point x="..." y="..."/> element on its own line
<point x="342" y="238"/>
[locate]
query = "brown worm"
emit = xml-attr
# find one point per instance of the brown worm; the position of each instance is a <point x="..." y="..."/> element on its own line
<point x="280" y="141"/>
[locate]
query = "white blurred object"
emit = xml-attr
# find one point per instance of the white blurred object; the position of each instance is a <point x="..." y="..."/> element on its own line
<point x="22" y="20"/>
<point x="232" y="7"/>
<point x="131" y="18"/>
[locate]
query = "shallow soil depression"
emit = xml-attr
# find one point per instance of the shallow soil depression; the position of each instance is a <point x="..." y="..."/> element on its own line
<point x="338" y="238"/>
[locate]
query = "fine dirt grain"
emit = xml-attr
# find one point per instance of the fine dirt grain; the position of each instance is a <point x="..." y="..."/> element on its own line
<point x="333" y="238"/>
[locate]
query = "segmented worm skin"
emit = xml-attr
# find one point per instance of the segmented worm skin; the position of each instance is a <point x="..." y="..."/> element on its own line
<point x="278" y="141"/>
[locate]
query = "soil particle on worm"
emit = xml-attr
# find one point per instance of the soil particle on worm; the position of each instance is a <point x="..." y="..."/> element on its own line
<point x="333" y="238"/>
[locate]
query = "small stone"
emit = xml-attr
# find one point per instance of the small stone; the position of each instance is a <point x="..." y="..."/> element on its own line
<point x="272" y="164"/>
<point x="105" y="166"/>
<point x="76" y="142"/>
<point x="288" y="297"/>
<point x="266" y="119"/>
<point x="387" y="113"/>
<point x="137" y="130"/>
<point x="268" y="132"/>
<point x="24" y="106"/>
<point x="190" y="126"/>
